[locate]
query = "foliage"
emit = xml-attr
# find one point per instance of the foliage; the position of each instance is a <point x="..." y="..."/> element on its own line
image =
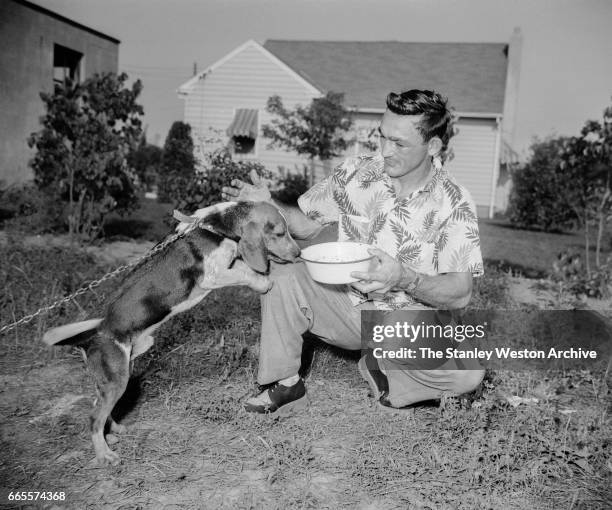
<point x="539" y="191"/>
<point x="81" y="151"/>
<point x="569" y="271"/>
<point x="290" y="187"/>
<point x="204" y="188"/>
<point x="587" y="160"/>
<point x="28" y="209"/>
<point x="315" y="130"/>
<point x="178" y="162"/>
<point x="146" y="161"/>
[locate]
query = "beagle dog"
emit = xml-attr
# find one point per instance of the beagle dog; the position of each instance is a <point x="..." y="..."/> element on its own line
<point x="170" y="282"/>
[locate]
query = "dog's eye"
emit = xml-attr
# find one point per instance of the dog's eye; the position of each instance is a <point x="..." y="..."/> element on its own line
<point x="280" y="234"/>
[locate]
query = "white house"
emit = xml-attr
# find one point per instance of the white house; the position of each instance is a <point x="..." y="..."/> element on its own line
<point x="480" y="80"/>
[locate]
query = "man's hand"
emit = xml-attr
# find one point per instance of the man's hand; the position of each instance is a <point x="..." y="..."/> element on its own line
<point x="385" y="274"/>
<point x="240" y="191"/>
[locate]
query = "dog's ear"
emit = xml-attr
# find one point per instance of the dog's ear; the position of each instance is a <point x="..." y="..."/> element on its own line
<point x="252" y="248"/>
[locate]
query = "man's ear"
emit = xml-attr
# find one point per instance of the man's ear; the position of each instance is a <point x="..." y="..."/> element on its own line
<point x="434" y="146"/>
<point x="252" y="248"/>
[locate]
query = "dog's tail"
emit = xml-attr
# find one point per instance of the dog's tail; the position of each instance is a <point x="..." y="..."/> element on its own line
<point x="70" y="333"/>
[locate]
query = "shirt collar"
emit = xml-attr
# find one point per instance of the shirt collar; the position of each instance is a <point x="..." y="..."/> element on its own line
<point x="436" y="180"/>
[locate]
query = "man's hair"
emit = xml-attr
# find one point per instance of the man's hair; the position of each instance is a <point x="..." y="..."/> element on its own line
<point x="437" y="117"/>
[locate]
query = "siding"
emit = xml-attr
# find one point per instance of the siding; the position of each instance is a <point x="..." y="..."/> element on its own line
<point x="245" y="81"/>
<point x="472" y="166"/>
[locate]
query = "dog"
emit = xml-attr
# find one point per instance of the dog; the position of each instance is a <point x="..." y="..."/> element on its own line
<point x="170" y="282"/>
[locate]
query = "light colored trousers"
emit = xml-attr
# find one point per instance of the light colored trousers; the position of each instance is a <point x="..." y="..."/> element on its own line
<point x="297" y="304"/>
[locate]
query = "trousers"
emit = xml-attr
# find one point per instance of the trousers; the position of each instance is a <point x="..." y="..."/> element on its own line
<point x="297" y="304"/>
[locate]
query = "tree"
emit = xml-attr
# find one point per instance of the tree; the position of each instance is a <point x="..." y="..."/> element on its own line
<point x="587" y="163"/>
<point x="315" y="130"/>
<point x="81" y="152"/>
<point x="146" y="162"/>
<point x="178" y="161"/>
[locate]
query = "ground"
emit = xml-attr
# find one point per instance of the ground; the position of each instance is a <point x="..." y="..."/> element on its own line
<point x="189" y="444"/>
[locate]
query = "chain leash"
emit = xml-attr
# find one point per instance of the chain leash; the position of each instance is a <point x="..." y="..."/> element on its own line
<point x="92" y="285"/>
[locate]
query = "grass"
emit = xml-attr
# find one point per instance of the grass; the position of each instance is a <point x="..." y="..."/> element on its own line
<point x="191" y="445"/>
<point x="530" y="253"/>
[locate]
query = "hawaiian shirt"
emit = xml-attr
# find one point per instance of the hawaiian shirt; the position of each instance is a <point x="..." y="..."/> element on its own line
<point x="433" y="230"/>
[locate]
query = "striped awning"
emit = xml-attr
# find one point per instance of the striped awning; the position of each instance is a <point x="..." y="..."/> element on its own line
<point x="244" y="123"/>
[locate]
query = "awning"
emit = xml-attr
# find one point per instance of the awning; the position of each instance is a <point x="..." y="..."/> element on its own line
<point x="244" y="123"/>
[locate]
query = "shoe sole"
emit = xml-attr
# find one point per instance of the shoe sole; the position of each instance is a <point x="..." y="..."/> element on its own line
<point x="395" y="410"/>
<point x="287" y="410"/>
<point x="365" y="373"/>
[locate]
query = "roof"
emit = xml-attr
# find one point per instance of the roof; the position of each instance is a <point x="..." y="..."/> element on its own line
<point x="68" y="21"/>
<point x="189" y="85"/>
<point x="471" y="75"/>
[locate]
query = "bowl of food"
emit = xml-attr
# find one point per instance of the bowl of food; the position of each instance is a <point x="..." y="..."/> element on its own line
<point x="334" y="262"/>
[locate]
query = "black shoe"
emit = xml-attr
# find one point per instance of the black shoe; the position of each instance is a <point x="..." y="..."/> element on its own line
<point x="283" y="399"/>
<point x="370" y="371"/>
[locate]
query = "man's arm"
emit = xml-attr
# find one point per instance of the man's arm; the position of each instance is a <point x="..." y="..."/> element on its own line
<point x="300" y="225"/>
<point x="449" y="290"/>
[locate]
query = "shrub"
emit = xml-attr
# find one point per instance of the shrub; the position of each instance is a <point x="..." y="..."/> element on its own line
<point x="204" y="188"/>
<point x="146" y="162"/>
<point x="540" y="188"/>
<point x="27" y="209"/>
<point x="87" y="132"/>
<point x="178" y="163"/>
<point x="291" y="187"/>
<point x="570" y="271"/>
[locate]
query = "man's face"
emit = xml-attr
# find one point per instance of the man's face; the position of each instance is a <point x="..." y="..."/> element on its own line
<point x="401" y="145"/>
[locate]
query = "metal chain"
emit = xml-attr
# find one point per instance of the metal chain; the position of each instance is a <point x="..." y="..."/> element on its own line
<point x="92" y="285"/>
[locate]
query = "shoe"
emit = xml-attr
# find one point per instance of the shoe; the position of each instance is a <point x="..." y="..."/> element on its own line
<point x="370" y="371"/>
<point x="283" y="400"/>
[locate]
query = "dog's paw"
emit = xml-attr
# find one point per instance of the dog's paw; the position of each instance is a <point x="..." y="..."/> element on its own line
<point x="262" y="285"/>
<point x="116" y="428"/>
<point x="106" y="458"/>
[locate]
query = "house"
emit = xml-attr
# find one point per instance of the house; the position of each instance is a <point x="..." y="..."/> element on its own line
<point x="480" y="80"/>
<point x="38" y="48"/>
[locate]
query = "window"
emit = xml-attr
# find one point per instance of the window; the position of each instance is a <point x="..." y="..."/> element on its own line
<point x="243" y="145"/>
<point x="66" y="64"/>
<point x="242" y="131"/>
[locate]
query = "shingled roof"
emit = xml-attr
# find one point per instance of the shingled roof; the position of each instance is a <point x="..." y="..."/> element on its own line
<point x="471" y="75"/>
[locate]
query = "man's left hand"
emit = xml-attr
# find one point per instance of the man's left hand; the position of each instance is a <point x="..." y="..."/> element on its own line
<point x="385" y="274"/>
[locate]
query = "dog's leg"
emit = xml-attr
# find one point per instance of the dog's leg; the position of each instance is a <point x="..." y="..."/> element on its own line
<point x="109" y="363"/>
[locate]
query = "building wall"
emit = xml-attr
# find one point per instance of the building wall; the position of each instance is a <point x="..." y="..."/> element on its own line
<point x="474" y="161"/>
<point x="26" y="69"/>
<point x="246" y="80"/>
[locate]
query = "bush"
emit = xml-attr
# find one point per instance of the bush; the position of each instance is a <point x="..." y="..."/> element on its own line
<point x="25" y="208"/>
<point x="539" y="191"/>
<point x="204" y="188"/>
<point x="178" y="163"/>
<point x="570" y="271"/>
<point x="291" y="187"/>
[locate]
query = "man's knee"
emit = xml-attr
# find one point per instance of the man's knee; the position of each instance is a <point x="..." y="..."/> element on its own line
<point x="284" y="272"/>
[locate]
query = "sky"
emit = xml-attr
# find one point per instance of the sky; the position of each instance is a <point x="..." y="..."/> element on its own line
<point x="566" y="69"/>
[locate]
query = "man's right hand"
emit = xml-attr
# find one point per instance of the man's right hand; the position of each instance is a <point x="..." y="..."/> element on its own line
<point x="240" y="191"/>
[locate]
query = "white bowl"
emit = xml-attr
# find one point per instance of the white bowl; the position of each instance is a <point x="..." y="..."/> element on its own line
<point x="334" y="262"/>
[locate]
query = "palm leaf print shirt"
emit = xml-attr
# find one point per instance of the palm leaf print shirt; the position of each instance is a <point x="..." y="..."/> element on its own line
<point x="433" y="230"/>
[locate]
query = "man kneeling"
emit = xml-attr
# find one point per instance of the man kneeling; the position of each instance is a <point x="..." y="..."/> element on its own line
<point x="423" y="228"/>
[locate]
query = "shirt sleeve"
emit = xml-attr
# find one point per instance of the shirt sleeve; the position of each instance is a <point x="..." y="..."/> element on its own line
<point x="319" y="202"/>
<point x="458" y="245"/>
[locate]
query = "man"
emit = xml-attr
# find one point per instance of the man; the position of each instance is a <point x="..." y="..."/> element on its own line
<point x="424" y="232"/>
